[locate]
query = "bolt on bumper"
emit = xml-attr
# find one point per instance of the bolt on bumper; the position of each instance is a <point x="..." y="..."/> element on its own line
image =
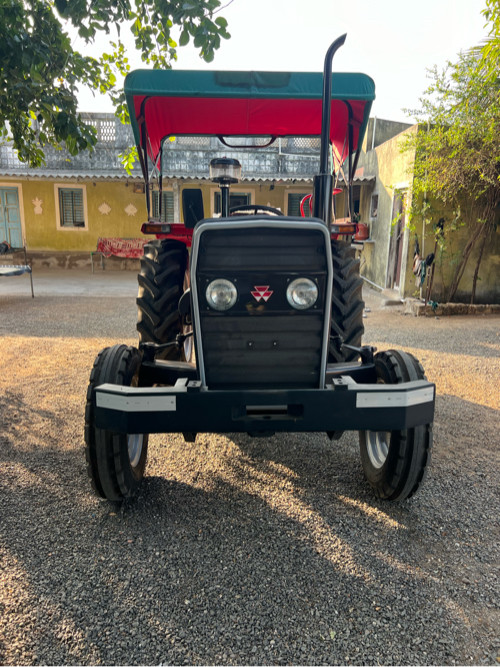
<point x="343" y="405"/>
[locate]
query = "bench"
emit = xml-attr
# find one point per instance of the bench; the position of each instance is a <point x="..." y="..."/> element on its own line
<point x="10" y="269"/>
<point x="118" y="247"/>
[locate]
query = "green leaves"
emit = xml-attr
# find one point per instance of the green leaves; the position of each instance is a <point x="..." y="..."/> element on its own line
<point x="184" y="38"/>
<point x="40" y="70"/>
<point x="128" y="159"/>
<point x="457" y="148"/>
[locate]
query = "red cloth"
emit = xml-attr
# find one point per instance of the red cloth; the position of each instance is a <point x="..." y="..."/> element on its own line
<point x="165" y="116"/>
<point x="121" y="247"/>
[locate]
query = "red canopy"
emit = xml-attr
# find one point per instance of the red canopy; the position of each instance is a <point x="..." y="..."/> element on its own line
<point x="276" y="104"/>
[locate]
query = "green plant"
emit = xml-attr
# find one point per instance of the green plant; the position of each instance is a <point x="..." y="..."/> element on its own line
<point x="457" y="151"/>
<point x="40" y="70"/>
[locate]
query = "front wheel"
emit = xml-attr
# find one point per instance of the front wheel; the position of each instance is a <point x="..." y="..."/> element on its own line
<point x="115" y="461"/>
<point x="395" y="462"/>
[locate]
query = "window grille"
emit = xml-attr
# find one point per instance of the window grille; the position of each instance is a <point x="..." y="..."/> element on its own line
<point x="106" y="129"/>
<point x="294" y="200"/>
<point x="235" y="199"/>
<point x="167" y="206"/>
<point x="306" y="142"/>
<point x="71" y="209"/>
<point x="197" y="142"/>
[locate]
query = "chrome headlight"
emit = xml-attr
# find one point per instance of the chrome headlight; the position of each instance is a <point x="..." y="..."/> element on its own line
<point x="221" y="294"/>
<point x="302" y="293"/>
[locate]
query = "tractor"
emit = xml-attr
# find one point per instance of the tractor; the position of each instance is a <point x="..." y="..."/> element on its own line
<point x="251" y="322"/>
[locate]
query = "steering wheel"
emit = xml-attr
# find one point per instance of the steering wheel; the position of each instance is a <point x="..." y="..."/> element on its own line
<point x="255" y="209"/>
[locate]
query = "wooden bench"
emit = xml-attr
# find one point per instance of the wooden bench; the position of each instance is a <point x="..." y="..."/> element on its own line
<point x="11" y="269"/>
<point x="129" y="248"/>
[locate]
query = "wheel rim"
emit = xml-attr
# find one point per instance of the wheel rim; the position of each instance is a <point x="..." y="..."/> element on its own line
<point x="135" y="443"/>
<point x="188" y="344"/>
<point x="188" y="347"/>
<point x="377" y="447"/>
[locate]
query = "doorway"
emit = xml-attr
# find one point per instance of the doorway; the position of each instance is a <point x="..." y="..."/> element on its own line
<point x="10" y="217"/>
<point x="396" y="244"/>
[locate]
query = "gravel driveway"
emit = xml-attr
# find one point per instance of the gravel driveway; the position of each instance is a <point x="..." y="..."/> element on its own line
<point x="240" y="550"/>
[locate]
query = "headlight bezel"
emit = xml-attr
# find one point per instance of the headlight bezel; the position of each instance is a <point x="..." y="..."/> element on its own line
<point x="220" y="306"/>
<point x="295" y="302"/>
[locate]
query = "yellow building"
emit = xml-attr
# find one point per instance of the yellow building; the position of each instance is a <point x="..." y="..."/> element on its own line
<point x="62" y="209"/>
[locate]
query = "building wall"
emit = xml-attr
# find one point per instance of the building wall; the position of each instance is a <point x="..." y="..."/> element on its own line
<point x="268" y="194"/>
<point x="114" y="209"/>
<point x="40" y="220"/>
<point x="378" y="131"/>
<point x="488" y="284"/>
<point x="392" y="169"/>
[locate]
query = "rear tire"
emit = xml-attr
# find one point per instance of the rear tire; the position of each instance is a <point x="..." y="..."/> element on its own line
<point x="115" y="461"/>
<point x="346" y="324"/>
<point x="161" y="282"/>
<point x="395" y="462"/>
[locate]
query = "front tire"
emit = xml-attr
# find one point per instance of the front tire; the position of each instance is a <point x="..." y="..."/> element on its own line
<point x="346" y="324"/>
<point x="115" y="461"/>
<point x="395" y="462"/>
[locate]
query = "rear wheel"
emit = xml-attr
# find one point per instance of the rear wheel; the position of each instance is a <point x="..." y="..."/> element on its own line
<point x="347" y="304"/>
<point x="395" y="462"/>
<point x="115" y="461"/>
<point x="163" y="276"/>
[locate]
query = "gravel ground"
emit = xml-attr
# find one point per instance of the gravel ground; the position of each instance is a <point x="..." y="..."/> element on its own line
<point x="240" y="550"/>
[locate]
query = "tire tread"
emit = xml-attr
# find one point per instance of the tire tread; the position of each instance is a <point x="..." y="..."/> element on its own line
<point x="346" y="322"/>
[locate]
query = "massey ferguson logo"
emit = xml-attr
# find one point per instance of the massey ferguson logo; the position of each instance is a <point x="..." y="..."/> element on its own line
<point x="261" y="292"/>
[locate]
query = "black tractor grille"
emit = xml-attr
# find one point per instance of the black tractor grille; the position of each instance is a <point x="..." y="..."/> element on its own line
<point x="259" y="342"/>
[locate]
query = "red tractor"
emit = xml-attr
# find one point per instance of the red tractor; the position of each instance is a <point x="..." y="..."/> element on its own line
<point x="252" y="321"/>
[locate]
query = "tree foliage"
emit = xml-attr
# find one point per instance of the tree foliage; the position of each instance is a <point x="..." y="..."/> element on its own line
<point x="489" y="50"/>
<point x="457" y="149"/>
<point x="40" y="71"/>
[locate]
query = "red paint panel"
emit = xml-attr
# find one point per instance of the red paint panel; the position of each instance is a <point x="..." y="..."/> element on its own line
<point x="166" y="116"/>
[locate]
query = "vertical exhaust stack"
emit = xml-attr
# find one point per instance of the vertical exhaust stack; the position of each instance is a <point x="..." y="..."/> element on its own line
<point x="323" y="182"/>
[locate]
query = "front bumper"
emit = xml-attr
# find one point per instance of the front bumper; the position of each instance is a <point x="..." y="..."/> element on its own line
<point x="187" y="407"/>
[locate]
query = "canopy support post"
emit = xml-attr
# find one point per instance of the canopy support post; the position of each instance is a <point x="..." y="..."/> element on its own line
<point x="143" y="158"/>
<point x="160" y="184"/>
<point x="351" y="175"/>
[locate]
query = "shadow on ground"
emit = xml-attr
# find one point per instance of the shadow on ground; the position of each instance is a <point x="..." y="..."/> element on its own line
<point x="236" y="551"/>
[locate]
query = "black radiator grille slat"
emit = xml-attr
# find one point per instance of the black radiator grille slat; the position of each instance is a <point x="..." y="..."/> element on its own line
<point x="259" y="252"/>
<point x="262" y="344"/>
<point x="251" y="352"/>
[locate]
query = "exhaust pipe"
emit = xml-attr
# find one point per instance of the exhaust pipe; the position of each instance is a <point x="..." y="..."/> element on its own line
<point x="323" y="182"/>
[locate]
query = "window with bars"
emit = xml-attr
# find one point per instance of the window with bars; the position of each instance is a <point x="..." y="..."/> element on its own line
<point x="71" y="207"/>
<point x="167" y="206"/>
<point x="294" y="199"/>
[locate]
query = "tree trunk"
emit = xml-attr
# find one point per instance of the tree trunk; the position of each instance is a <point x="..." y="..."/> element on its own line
<point x="487" y="230"/>
<point x="463" y="262"/>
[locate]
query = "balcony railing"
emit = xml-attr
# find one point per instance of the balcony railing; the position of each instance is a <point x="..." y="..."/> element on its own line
<point x="184" y="157"/>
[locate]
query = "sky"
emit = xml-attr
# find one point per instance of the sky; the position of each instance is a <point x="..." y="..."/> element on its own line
<point x="393" y="41"/>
